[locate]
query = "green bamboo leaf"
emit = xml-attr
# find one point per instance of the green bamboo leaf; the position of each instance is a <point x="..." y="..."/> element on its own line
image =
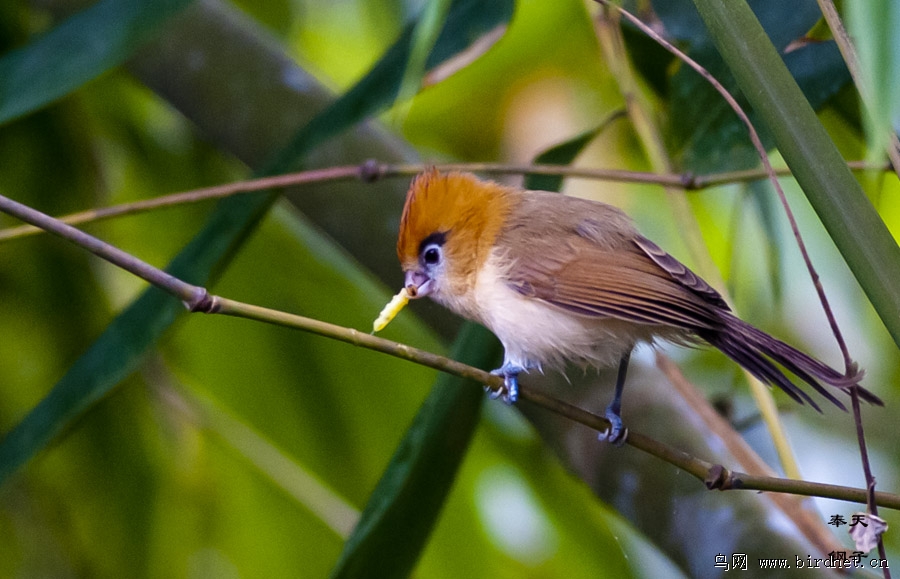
<point x="848" y="215"/>
<point x="404" y="507"/>
<point x="78" y="50"/>
<point x="118" y="351"/>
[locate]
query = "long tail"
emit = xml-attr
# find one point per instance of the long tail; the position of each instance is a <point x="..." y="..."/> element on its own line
<point x="756" y="351"/>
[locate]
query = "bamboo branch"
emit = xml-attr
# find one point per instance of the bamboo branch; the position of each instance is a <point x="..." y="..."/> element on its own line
<point x="198" y="299"/>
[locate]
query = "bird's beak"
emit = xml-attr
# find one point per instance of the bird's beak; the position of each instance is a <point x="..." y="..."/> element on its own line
<point x="418" y="284"/>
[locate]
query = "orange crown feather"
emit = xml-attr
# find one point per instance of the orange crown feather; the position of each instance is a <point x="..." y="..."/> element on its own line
<point x="469" y="211"/>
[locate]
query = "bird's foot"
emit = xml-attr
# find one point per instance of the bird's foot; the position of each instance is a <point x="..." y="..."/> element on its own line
<point x="616" y="434"/>
<point x="510" y="391"/>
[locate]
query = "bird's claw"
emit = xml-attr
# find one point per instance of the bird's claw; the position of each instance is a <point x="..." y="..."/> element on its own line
<point x="509" y="393"/>
<point x="616" y="434"/>
<point x="495" y="394"/>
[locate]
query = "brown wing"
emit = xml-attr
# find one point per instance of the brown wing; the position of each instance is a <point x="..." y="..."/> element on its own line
<point x="634" y="281"/>
<point x="587" y="258"/>
<point x="680" y="272"/>
<point x="627" y="286"/>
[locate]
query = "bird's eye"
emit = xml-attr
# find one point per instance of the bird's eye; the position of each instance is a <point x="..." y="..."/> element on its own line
<point x="431" y="255"/>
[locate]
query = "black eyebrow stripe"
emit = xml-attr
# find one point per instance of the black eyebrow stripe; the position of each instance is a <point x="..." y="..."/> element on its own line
<point x="438" y="238"/>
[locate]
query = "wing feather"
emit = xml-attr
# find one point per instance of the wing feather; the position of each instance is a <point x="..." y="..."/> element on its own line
<point x="634" y="281"/>
<point x="680" y="272"/>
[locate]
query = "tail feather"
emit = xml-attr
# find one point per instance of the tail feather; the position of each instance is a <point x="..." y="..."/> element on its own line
<point x="756" y="351"/>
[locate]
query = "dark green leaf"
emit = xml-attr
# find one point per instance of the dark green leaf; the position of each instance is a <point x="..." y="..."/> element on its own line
<point x="404" y="507"/>
<point x="76" y="51"/>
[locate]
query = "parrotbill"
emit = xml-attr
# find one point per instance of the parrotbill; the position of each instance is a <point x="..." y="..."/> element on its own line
<point x="560" y="279"/>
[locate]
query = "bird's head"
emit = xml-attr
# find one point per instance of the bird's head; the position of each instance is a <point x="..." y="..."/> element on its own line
<point x="447" y="231"/>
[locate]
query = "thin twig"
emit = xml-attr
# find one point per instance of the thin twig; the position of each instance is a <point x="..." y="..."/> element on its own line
<point x="197" y="195"/>
<point x="848" y="51"/>
<point x="613" y="43"/>
<point x="850" y="367"/>
<point x="871" y="505"/>
<point x="700" y="469"/>
<point x="739" y="480"/>
<point x="375" y="170"/>
<point x="197" y="299"/>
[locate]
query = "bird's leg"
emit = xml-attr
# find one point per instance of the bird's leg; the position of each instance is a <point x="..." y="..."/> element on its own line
<point x="510" y="391"/>
<point x="617" y="433"/>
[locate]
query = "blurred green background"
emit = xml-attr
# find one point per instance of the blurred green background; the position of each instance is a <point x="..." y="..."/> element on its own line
<point x="202" y="446"/>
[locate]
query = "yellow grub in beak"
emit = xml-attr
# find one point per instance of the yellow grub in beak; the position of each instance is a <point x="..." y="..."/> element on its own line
<point x="390" y="311"/>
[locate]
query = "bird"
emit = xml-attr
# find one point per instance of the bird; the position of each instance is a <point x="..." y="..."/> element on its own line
<point x="560" y="279"/>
